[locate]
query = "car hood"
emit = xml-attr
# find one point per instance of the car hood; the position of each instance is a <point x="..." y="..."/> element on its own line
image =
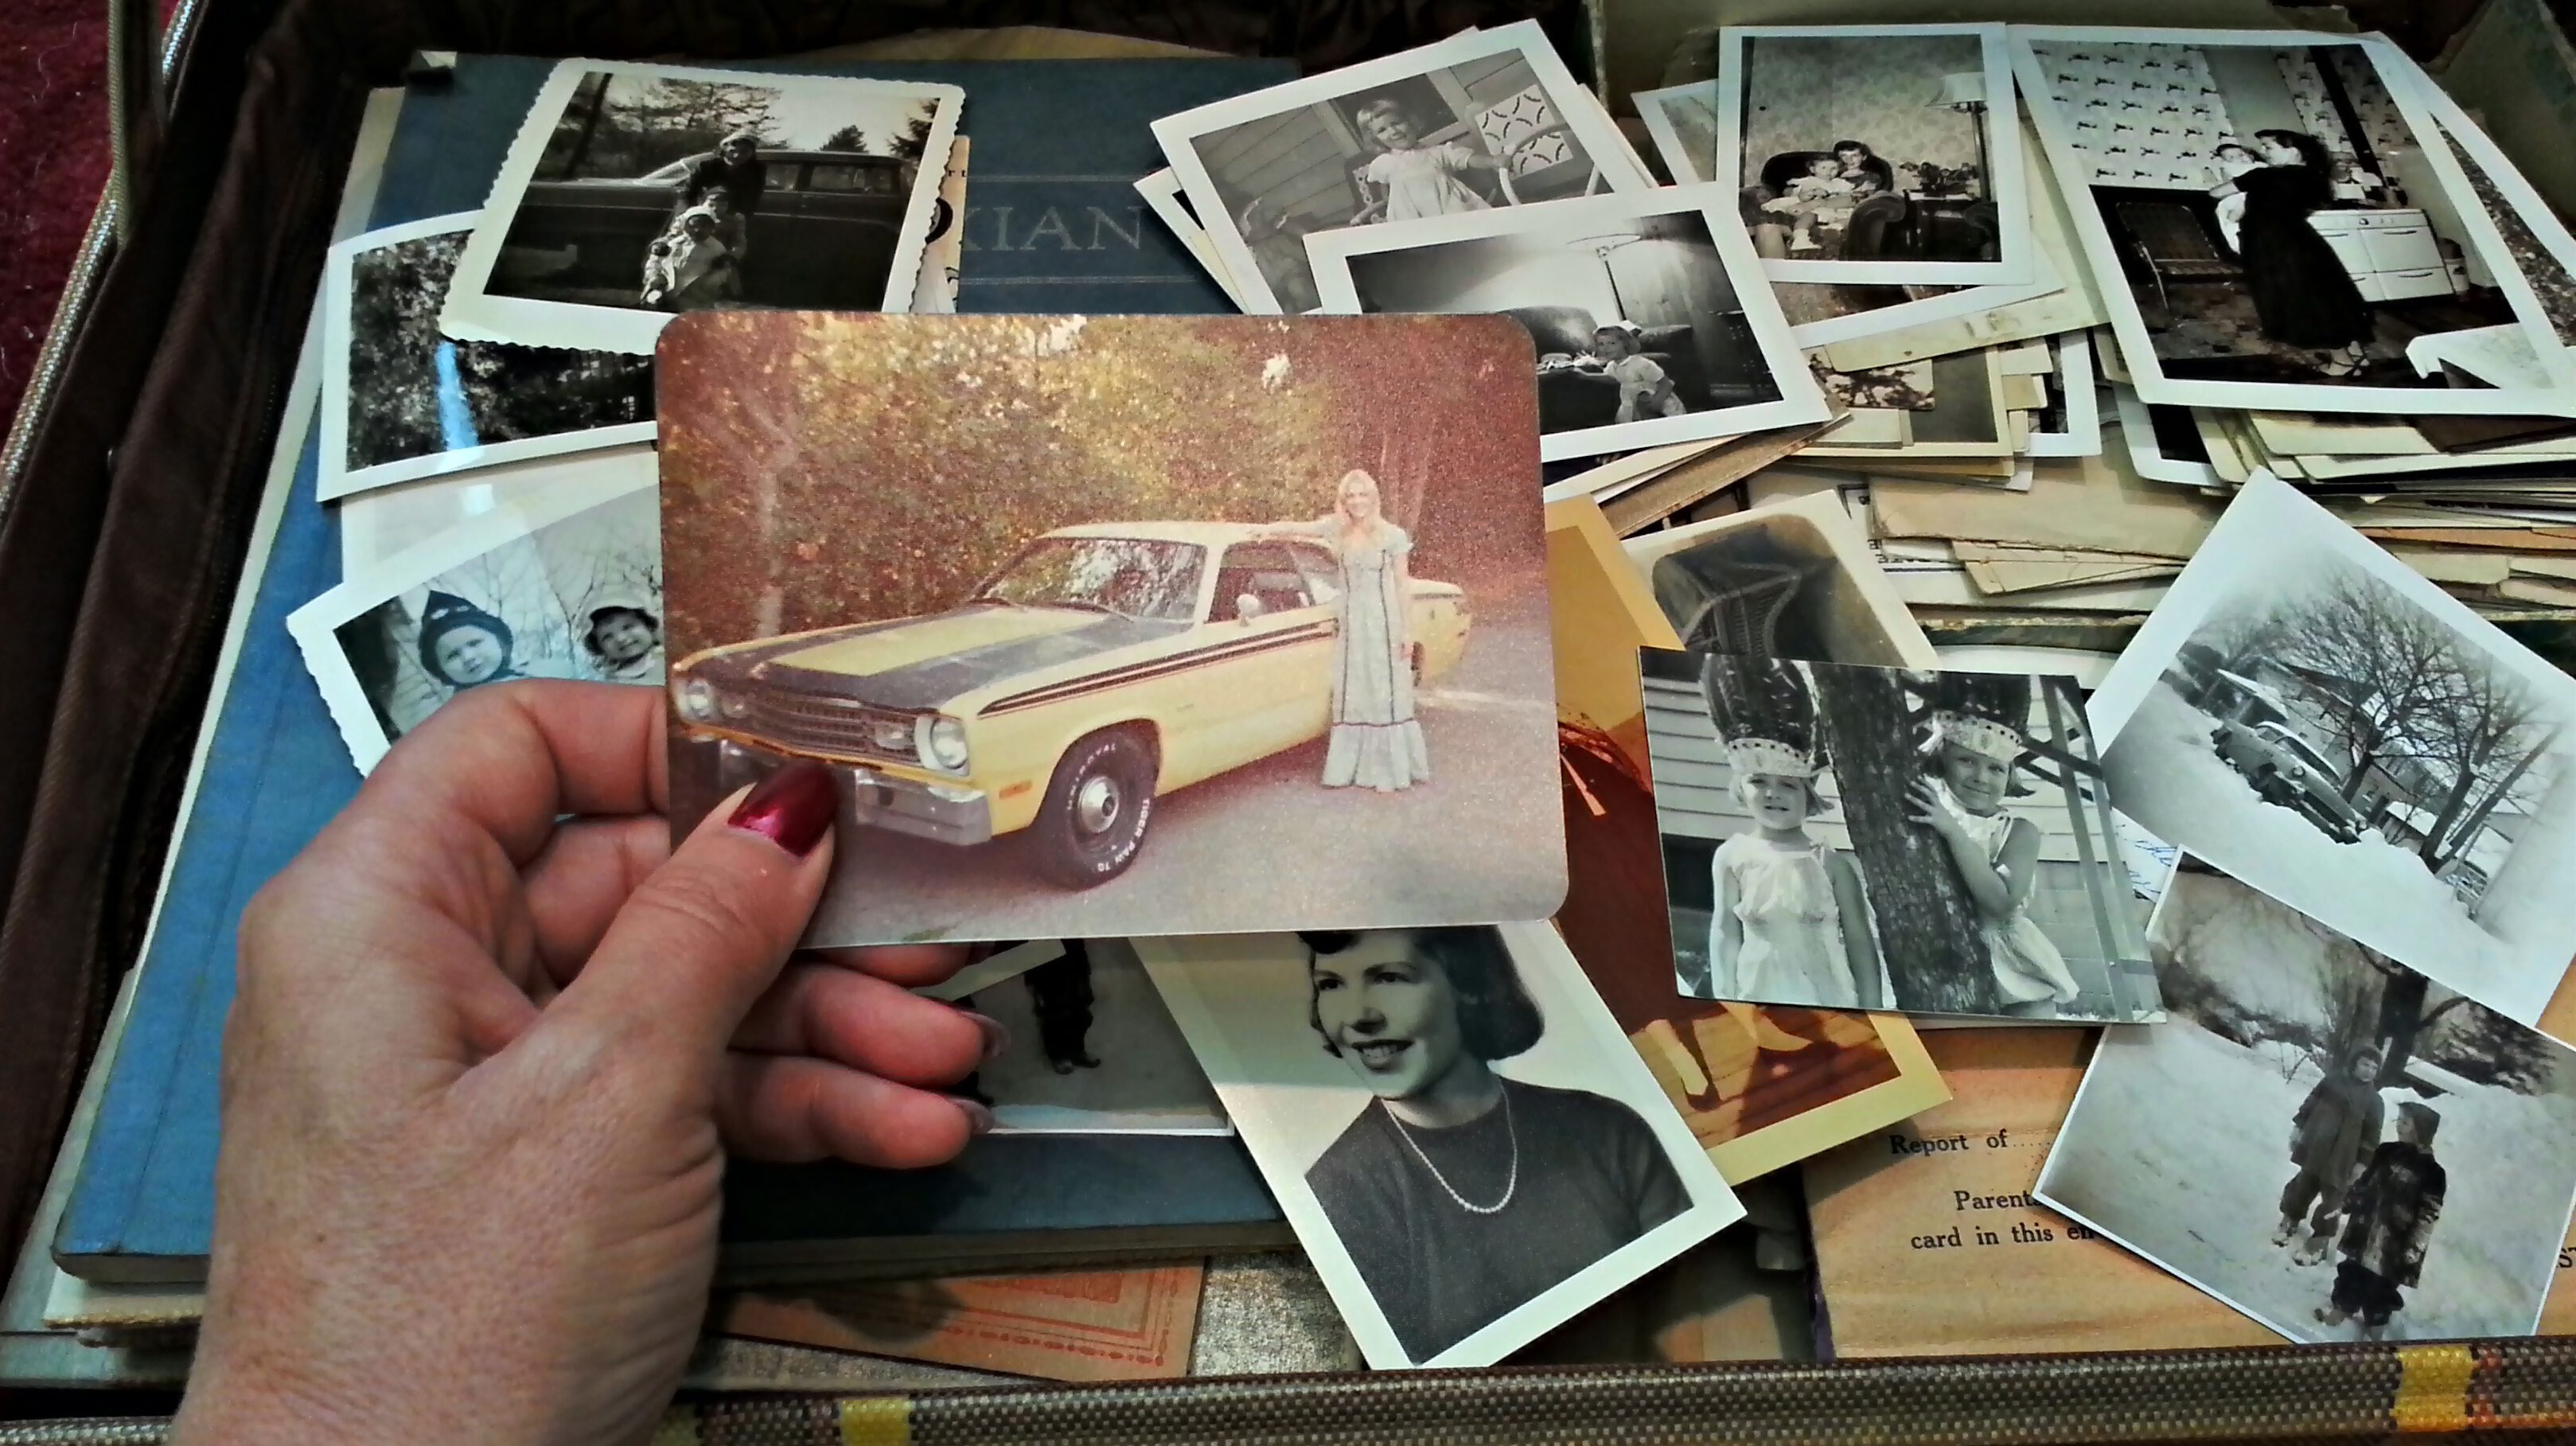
<point x="921" y="663"/>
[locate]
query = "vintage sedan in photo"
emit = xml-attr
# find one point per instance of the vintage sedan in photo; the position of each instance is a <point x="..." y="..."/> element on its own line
<point x="1103" y="666"/>
<point x="2290" y="771"/>
<point x="823" y="237"/>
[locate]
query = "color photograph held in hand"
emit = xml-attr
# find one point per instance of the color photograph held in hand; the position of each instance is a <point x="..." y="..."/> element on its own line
<point x="1120" y="626"/>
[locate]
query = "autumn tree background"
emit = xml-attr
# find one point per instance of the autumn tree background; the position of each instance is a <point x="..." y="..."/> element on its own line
<point x="401" y="407"/>
<point x="821" y="469"/>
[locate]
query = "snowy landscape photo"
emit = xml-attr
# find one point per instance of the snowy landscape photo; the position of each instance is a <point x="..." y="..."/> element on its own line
<point x="2312" y="717"/>
<point x="2321" y="1137"/>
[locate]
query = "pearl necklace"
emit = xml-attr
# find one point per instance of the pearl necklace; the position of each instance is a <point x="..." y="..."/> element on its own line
<point x="1511" y="1180"/>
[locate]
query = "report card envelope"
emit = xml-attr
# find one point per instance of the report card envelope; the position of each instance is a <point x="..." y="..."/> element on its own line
<point x="1120" y="625"/>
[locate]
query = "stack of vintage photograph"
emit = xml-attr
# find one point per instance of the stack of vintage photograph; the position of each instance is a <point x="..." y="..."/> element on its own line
<point x="1922" y="669"/>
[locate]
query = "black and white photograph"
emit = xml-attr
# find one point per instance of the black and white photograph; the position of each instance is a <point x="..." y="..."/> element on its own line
<point x="567" y="584"/>
<point x="1088" y="1047"/>
<point x="1162" y="193"/>
<point x="1487" y="119"/>
<point x="1649" y="312"/>
<point x="636" y="192"/>
<point x="402" y="402"/>
<point x="1945" y="406"/>
<point x="1791" y="579"/>
<point x="1878" y="155"/>
<point x="2070" y="425"/>
<point x="1681" y="121"/>
<point x="2275" y="222"/>
<point x="2321" y="1137"/>
<point x="1878" y="838"/>
<point x="2163" y="443"/>
<point x="2311" y="716"/>
<point x="1469" y="1149"/>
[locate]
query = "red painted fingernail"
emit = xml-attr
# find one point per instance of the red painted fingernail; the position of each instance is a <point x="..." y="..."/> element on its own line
<point x="979" y="1115"/>
<point x="792" y="808"/>
<point x="996" y="1038"/>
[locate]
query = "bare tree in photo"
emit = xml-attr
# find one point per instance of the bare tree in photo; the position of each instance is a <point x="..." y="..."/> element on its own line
<point x="2392" y="668"/>
<point x="1927" y="923"/>
<point x="2487" y="738"/>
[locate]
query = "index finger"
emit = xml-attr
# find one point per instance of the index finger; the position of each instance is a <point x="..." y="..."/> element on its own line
<point x="511" y="758"/>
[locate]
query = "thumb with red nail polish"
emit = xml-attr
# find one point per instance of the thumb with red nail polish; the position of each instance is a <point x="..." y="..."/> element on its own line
<point x="703" y="936"/>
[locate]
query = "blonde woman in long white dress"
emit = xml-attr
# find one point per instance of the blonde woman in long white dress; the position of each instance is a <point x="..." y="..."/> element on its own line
<point x="1376" y="742"/>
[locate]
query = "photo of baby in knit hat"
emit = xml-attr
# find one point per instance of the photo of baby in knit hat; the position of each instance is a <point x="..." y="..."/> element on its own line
<point x="1849" y="837"/>
<point x="567" y="584"/>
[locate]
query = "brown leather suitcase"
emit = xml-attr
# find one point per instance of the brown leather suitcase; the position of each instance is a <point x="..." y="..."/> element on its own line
<point x="126" y="497"/>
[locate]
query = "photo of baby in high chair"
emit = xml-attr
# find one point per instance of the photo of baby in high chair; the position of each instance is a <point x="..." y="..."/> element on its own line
<point x="1879" y="838"/>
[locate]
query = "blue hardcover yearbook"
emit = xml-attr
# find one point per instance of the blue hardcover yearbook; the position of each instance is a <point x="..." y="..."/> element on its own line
<point x="1053" y="224"/>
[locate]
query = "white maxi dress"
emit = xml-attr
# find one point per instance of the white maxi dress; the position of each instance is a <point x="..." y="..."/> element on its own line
<point x="1376" y="740"/>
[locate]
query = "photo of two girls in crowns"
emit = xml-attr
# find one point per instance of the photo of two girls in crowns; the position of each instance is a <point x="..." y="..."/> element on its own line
<point x="1871" y="838"/>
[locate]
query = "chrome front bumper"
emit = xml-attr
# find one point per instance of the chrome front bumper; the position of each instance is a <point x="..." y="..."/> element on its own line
<point x="942" y="813"/>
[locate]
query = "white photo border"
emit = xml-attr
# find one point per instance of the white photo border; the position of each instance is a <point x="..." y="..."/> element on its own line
<point x="315" y="625"/>
<point x="2083" y="434"/>
<point x="1800" y="401"/>
<point x="2286" y="521"/>
<point x="2137" y="347"/>
<point x="474" y="314"/>
<point x="333" y="477"/>
<point x="1574" y="105"/>
<point x="1535" y="949"/>
<point x="1878" y="320"/>
<point x="2138" y="435"/>
<point x="2122" y="1038"/>
<point x="1162" y="193"/>
<point x="2007" y="184"/>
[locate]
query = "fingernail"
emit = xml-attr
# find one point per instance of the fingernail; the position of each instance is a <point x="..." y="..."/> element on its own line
<point x="996" y="1038"/>
<point x="792" y="808"/>
<point x="979" y="1115"/>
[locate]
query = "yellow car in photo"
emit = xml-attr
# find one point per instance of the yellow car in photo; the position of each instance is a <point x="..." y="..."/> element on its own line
<point x="1102" y="667"/>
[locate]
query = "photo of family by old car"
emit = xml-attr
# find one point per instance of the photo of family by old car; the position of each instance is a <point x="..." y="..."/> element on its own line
<point x="1468" y="1149"/>
<point x="2271" y="211"/>
<point x="2343" y="736"/>
<point x="1874" y="157"/>
<point x="654" y="190"/>
<point x="1490" y="119"/>
<point x="2321" y="1137"/>
<point x="1650" y="317"/>
<point x="1211" y="587"/>
<point x="1872" y="838"/>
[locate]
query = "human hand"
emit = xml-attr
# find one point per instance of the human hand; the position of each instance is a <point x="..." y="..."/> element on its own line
<point x="1924" y="805"/>
<point x="484" y="1066"/>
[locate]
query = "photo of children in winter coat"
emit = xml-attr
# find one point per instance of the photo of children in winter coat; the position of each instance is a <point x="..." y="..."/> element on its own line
<point x="1879" y="838"/>
<point x="2285" y="1037"/>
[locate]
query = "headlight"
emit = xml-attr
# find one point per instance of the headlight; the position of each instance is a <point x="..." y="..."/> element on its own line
<point x="697" y="699"/>
<point x="943" y="743"/>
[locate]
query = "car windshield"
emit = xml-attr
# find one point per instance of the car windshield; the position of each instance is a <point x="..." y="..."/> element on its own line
<point x="1131" y="576"/>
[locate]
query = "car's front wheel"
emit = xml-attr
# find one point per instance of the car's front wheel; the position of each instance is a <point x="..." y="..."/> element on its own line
<point x="1097" y="805"/>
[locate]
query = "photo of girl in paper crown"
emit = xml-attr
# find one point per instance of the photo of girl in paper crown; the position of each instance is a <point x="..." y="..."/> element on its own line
<point x="1791" y="922"/>
<point x="1885" y="838"/>
<point x="1972" y="749"/>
